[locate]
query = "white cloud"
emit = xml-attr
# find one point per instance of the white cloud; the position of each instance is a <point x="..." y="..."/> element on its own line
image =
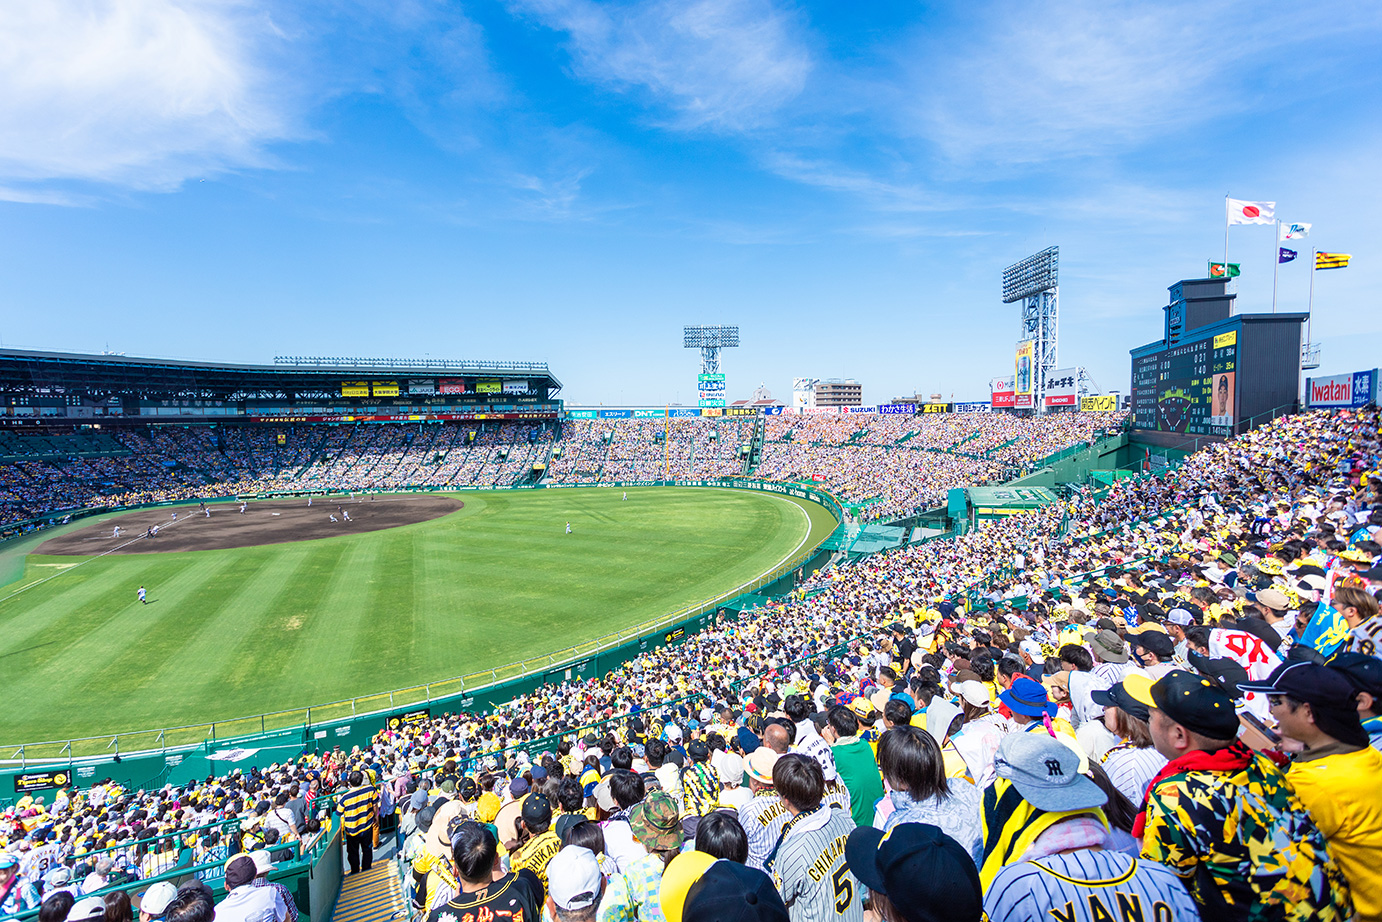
<point x="718" y="64"/>
<point x="136" y="93"/>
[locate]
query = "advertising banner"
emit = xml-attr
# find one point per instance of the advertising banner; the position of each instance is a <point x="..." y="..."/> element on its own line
<point x="1002" y="396"/>
<point x="862" y="409"/>
<point x="1352" y="390"/>
<point x="898" y="408"/>
<point x="416" y="386"/>
<point x="515" y="387"/>
<point x="650" y="413"/>
<point x="821" y="411"/>
<point x="385" y="388"/>
<point x="1060" y="387"/>
<point x="616" y="414"/>
<point x="1022" y="374"/>
<point x="580" y="414"/>
<point x="683" y="412"/>
<point x="974" y="406"/>
<point x="935" y="408"/>
<point x="354" y="388"/>
<point x="712" y="411"/>
<point x="451" y="386"/>
<point x="803" y="391"/>
<point x="741" y="411"/>
<point x="711" y="390"/>
<point x="41" y="781"/>
<point x="1103" y="403"/>
<point x="773" y="411"/>
<point x="488" y="386"/>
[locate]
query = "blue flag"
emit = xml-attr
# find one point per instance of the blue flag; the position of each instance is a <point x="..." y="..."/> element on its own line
<point x="1284" y="255"/>
<point x="1327" y="631"/>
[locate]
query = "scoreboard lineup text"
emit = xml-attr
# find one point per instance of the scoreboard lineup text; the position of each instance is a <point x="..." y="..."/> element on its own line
<point x="1173" y="390"/>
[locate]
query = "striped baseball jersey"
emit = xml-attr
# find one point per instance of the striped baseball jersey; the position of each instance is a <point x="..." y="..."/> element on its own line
<point x="1088" y="885"/>
<point x="809" y="869"/>
<point x="762" y="818"/>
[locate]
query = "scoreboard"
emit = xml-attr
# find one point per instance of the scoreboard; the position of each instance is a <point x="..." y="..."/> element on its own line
<point x="1189" y="387"/>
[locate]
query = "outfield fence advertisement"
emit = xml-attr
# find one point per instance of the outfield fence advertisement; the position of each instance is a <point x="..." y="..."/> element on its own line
<point x="974" y="406"/>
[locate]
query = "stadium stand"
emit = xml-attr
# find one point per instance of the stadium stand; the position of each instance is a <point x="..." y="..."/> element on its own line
<point x="1015" y="694"/>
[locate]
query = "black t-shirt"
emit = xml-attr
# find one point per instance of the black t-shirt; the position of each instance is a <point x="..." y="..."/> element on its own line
<point x="514" y="896"/>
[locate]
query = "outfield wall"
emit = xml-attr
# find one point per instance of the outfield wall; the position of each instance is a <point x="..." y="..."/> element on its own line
<point x="261" y="740"/>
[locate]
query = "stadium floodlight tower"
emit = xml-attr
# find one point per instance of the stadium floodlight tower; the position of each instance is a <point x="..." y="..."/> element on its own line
<point x="710" y="340"/>
<point x="1033" y="281"/>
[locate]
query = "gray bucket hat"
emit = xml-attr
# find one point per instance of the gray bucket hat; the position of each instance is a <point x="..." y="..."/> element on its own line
<point x="1046" y="772"/>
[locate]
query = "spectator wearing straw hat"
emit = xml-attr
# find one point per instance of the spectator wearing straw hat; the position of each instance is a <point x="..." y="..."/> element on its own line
<point x="763" y="816"/>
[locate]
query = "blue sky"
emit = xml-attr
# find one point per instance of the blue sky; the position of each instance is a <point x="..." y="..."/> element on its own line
<point x="572" y="181"/>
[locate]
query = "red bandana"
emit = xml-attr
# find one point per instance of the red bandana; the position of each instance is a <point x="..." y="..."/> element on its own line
<point x="1229" y="759"/>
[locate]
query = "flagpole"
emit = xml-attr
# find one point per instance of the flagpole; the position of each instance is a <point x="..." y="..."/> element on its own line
<point x="1310" y="308"/>
<point x="1276" y="261"/>
<point x="1225" y="236"/>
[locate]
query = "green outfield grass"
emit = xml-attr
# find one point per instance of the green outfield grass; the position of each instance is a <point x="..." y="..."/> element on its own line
<point x="240" y="632"/>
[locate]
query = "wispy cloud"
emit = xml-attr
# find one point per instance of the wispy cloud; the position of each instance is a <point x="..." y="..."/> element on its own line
<point x="1020" y="83"/>
<point x="724" y="65"/>
<point x="138" y="93"/>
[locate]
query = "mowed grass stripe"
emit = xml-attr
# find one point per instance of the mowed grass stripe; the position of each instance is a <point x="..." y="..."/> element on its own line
<point x="236" y="633"/>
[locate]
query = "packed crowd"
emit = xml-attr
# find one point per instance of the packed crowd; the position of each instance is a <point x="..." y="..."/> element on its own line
<point x="1167" y="710"/>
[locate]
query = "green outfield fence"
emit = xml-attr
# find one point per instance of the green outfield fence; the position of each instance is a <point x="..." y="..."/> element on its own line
<point x="151" y="758"/>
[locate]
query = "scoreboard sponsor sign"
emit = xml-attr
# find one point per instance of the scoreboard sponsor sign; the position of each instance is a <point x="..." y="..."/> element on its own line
<point x="1352" y="390"/>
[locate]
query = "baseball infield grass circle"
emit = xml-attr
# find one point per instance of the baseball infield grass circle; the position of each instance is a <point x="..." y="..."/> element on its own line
<point x="242" y="631"/>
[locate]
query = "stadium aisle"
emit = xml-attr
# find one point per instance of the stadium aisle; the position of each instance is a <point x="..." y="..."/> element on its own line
<point x="371" y="896"/>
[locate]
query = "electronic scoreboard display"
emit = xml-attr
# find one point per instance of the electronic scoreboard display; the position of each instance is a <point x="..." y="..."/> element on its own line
<point x="1189" y="387"/>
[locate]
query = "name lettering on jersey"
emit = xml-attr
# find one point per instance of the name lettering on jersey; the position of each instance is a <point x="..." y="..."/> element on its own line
<point x="767" y="816"/>
<point x="820" y="868"/>
<point x="1129" y="909"/>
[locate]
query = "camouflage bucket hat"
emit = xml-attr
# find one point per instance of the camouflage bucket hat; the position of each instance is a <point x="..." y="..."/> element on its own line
<point x="656" y="823"/>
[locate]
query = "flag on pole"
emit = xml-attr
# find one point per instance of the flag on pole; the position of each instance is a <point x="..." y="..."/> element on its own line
<point x="1284" y="255"/>
<point x="1294" y="231"/>
<point x="1216" y="271"/>
<point x="1332" y="260"/>
<point x="1251" y="212"/>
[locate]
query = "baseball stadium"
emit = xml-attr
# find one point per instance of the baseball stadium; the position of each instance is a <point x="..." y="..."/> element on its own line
<point x="293" y="622"/>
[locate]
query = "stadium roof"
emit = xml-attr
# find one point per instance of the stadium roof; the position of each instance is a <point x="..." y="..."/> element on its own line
<point x="22" y="369"/>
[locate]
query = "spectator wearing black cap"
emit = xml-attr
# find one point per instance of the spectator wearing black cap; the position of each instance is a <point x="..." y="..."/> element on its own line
<point x="1133" y="761"/>
<point x="1336" y="776"/>
<point x="915" y="873"/>
<point x="1154" y="653"/>
<point x="542" y="843"/>
<point x="1364" y="673"/>
<point x="731" y="892"/>
<point x="1226" y="820"/>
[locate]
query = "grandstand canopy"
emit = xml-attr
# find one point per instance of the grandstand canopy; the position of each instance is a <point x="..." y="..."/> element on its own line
<point x="24" y="371"/>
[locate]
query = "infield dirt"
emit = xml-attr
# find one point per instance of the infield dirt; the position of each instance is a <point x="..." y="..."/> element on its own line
<point x="263" y="522"/>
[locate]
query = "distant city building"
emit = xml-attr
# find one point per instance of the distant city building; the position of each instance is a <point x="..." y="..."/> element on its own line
<point x="839" y="392"/>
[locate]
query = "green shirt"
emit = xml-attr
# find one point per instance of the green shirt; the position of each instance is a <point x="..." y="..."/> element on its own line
<point x="858" y="769"/>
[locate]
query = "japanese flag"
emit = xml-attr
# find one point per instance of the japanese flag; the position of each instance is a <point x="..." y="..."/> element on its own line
<point x="1251" y="212"/>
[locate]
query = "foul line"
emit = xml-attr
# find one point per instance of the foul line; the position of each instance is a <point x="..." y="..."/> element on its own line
<point x="70" y="568"/>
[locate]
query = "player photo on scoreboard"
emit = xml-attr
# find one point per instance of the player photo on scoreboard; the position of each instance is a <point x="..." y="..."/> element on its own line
<point x="1221" y="399"/>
